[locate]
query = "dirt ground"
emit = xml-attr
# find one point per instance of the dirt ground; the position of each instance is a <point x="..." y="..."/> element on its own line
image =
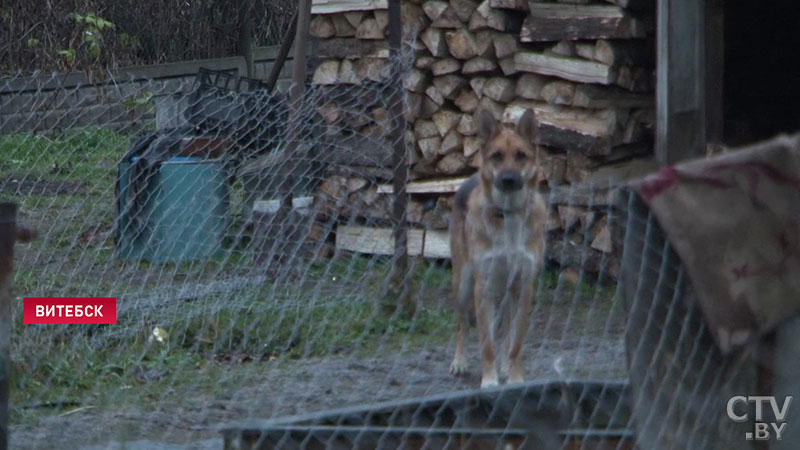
<point x="306" y="386"/>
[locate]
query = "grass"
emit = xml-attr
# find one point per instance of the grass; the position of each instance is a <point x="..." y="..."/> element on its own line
<point x="217" y="342"/>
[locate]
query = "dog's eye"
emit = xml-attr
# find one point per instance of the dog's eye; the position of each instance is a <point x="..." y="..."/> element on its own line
<point x="496" y="156"/>
<point x="519" y="156"/>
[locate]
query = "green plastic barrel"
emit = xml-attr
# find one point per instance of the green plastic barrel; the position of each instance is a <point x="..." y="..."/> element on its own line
<point x="184" y="216"/>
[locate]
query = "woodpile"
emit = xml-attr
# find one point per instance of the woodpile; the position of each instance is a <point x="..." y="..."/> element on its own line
<point x="585" y="67"/>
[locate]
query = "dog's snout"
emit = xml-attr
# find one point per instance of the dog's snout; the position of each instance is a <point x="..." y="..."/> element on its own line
<point x="509" y="181"/>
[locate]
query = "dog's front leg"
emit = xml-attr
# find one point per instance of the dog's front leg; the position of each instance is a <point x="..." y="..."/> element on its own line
<point x="484" y="310"/>
<point x="523" y="294"/>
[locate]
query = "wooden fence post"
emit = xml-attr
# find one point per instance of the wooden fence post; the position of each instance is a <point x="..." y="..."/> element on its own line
<point x="400" y="200"/>
<point x="9" y="233"/>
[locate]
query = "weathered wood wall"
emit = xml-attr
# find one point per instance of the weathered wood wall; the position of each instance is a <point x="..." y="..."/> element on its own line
<point x="50" y="103"/>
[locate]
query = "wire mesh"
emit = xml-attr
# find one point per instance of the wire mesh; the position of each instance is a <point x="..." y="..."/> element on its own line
<point x="231" y="307"/>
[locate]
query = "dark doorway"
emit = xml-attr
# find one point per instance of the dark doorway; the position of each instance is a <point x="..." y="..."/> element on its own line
<point x="762" y="71"/>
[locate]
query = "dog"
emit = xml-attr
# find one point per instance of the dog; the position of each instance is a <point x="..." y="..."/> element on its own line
<point x="497" y="230"/>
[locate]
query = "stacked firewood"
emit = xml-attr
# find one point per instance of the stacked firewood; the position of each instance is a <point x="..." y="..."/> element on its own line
<point x="586" y="68"/>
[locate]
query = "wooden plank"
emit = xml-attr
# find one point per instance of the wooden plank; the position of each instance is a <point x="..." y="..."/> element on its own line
<point x="349" y="48"/>
<point x="572" y="69"/>
<point x="438" y="186"/>
<point x="379" y="241"/>
<point x="337" y="6"/>
<point x="558" y="21"/>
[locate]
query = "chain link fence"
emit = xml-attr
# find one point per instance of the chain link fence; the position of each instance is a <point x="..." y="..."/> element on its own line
<point x="174" y="198"/>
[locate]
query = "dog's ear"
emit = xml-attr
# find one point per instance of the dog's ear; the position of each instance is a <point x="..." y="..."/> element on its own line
<point x="487" y="125"/>
<point x="527" y="127"/>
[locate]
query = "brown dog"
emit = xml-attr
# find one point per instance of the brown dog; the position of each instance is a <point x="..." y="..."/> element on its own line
<point x="497" y="242"/>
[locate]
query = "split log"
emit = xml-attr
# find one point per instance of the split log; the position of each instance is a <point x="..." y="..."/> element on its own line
<point x="484" y="43"/>
<point x="327" y="73"/>
<point x="452" y="142"/>
<point x="354" y="17"/>
<point x="434" y="9"/>
<point x="382" y="18"/>
<point x="342" y="26"/>
<point x="374" y="69"/>
<point x="495" y="108"/>
<point x="413" y="19"/>
<point x="425" y="129"/>
<point x="625" y="53"/>
<point x="499" y="89"/>
<point x="486" y="17"/>
<point x="369" y="29"/>
<point x="330" y="112"/>
<point x="578" y="167"/>
<point x="554" y="166"/>
<point x="463" y="9"/>
<point x="593" y="133"/>
<point x="461" y="44"/>
<point x="602" y="237"/>
<point x="424" y="62"/>
<point x="585" y="50"/>
<point x="508" y="66"/>
<point x="435" y="96"/>
<point x="434" y="40"/>
<point x="478" y="65"/>
<point x="472" y="145"/>
<point x="429" y="147"/>
<point x="559" y="92"/>
<point x="562" y="48"/>
<point x="529" y="86"/>
<point x="452" y="163"/>
<point x="554" y="22"/>
<point x="415" y="81"/>
<point x="477" y="84"/>
<point x="445" y="121"/>
<point x="467" y="126"/>
<point x="348" y="73"/>
<point x="441" y="15"/>
<point x="322" y="27"/>
<point x="600" y="97"/>
<point x="636" y="79"/>
<point x="572" y="69"/>
<point x="504" y="45"/>
<point x="449" y="85"/>
<point x="428" y="108"/>
<point x="467" y="101"/>
<point x="445" y="66"/>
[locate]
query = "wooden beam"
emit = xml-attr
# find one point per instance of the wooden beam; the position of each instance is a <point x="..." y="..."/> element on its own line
<point x="438" y="186"/>
<point x="573" y="69"/>
<point x="680" y="80"/>
<point x="337" y="6"/>
<point x="379" y="241"/>
<point x="558" y="21"/>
